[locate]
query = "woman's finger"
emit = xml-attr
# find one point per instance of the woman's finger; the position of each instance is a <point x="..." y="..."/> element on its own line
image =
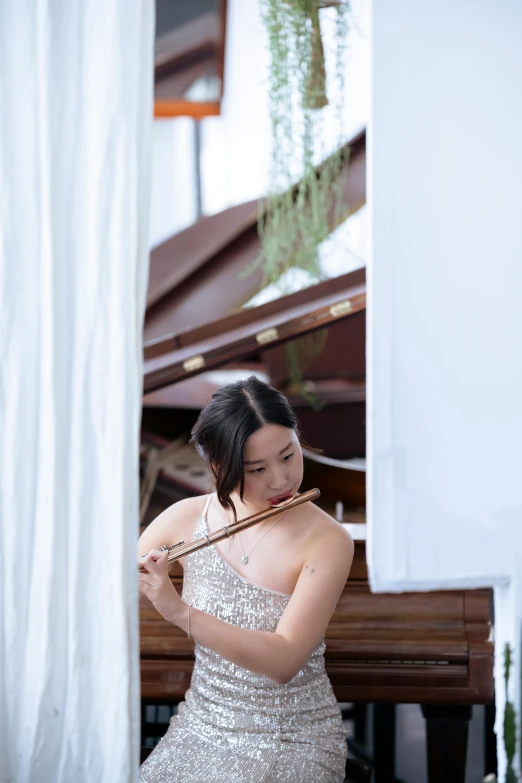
<point x="158" y="555"/>
<point x="159" y="551"/>
<point x="160" y="560"/>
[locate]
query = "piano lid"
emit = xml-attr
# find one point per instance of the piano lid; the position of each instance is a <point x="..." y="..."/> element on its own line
<point x="243" y="334"/>
<point x="198" y="275"/>
<point x="183" y="255"/>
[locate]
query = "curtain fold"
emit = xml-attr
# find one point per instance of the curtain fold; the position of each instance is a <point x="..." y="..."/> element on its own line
<point x="76" y="116"/>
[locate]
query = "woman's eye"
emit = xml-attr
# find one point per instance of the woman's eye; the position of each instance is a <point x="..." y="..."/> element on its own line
<point x="285" y="459"/>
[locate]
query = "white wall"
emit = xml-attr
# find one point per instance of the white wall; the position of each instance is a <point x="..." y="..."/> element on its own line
<point x="445" y="336"/>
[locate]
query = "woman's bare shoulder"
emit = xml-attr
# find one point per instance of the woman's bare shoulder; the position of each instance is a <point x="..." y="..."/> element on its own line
<point x="322" y="527"/>
<point x="176" y="523"/>
<point x="328" y="547"/>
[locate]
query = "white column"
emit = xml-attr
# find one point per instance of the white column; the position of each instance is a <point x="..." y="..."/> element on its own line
<point x="445" y="286"/>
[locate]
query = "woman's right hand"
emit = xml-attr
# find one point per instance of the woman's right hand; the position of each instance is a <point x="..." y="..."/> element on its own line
<point x="157" y="586"/>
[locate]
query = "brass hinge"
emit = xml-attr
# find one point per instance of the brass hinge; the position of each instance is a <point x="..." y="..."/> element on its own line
<point x="267" y="336"/>
<point x="194" y="363"/>
<point x="341" y="308"/>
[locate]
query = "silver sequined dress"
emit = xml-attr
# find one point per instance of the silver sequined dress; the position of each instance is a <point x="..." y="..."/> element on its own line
<point x="238" y="727"/>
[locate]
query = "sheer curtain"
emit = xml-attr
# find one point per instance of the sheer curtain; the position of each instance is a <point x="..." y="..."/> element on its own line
<point x="76" y="114"/>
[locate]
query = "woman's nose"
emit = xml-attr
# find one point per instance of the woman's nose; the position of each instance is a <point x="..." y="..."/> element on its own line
<point x="277" y="479"/>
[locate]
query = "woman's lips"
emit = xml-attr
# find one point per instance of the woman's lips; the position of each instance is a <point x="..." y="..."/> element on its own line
<point x="279" y="498"/>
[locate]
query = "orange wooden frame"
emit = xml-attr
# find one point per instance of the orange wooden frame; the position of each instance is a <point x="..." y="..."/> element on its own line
<point x="182" y="108"/>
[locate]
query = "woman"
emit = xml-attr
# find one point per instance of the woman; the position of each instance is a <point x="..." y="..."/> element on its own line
<point x="260" y="708"/>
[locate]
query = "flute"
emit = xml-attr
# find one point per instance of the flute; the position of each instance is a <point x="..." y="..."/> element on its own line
<point x="181" y="549"/>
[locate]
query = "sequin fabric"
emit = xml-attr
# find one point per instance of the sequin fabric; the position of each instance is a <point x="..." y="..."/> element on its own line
<point x="239" y="727"/>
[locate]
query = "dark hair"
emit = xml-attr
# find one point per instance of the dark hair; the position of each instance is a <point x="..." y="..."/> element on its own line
<point x="223" y="426"/>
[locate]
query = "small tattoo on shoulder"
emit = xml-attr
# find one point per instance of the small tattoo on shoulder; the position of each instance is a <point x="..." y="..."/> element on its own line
<point x="311" y="569"/>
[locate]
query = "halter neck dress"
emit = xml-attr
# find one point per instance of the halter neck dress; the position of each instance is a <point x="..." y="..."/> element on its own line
<point x="236" y="726"/>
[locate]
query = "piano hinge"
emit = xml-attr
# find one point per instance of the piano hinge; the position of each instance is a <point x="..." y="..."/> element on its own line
<point x="267" y="336"/>
<point x="195" y="363"/>
<point x="341" y="308"/>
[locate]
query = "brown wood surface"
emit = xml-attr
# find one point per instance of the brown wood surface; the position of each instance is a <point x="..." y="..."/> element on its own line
<point x="339" y="429"/>
<point x="337" y="484"/>
<point x="343" y="355"/>
<point x="216" y="288"/>
<point x="181" y="108"/>
<point x="175" y="260"/>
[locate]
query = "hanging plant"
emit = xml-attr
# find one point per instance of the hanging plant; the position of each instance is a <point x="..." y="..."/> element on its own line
<point x="510" y="728"/>
<point x="300" y="353"/>
<point x="297" y="215"/>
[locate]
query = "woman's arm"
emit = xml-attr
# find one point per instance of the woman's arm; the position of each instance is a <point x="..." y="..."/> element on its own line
<point x="174" y="524"/>
<point x="279" y="655"/>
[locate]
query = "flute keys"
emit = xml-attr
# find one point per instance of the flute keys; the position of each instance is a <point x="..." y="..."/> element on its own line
<point x="173" y="546"/>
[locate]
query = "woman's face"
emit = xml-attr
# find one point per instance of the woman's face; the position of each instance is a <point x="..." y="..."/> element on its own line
<point x="273" y="464"/>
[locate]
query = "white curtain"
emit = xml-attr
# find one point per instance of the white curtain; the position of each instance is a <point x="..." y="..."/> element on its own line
<point x="75" y="120"/>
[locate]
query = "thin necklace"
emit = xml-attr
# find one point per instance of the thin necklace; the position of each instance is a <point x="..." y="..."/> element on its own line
<point x="245" y="557"/>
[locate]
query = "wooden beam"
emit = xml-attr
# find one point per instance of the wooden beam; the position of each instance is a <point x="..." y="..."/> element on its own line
<point x="182" y="108"/>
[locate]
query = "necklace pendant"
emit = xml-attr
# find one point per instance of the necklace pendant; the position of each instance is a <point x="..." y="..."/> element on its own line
<point x="244" y="560"/>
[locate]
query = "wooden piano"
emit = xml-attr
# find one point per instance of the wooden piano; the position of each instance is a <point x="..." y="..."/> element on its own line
<point x="384" y="649"/>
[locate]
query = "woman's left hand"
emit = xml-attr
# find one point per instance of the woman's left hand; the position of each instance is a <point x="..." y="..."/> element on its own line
<point x="156" y="584"/>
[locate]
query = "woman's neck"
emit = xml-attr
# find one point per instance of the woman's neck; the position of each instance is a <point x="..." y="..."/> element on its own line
<point x="245" y="509"/>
